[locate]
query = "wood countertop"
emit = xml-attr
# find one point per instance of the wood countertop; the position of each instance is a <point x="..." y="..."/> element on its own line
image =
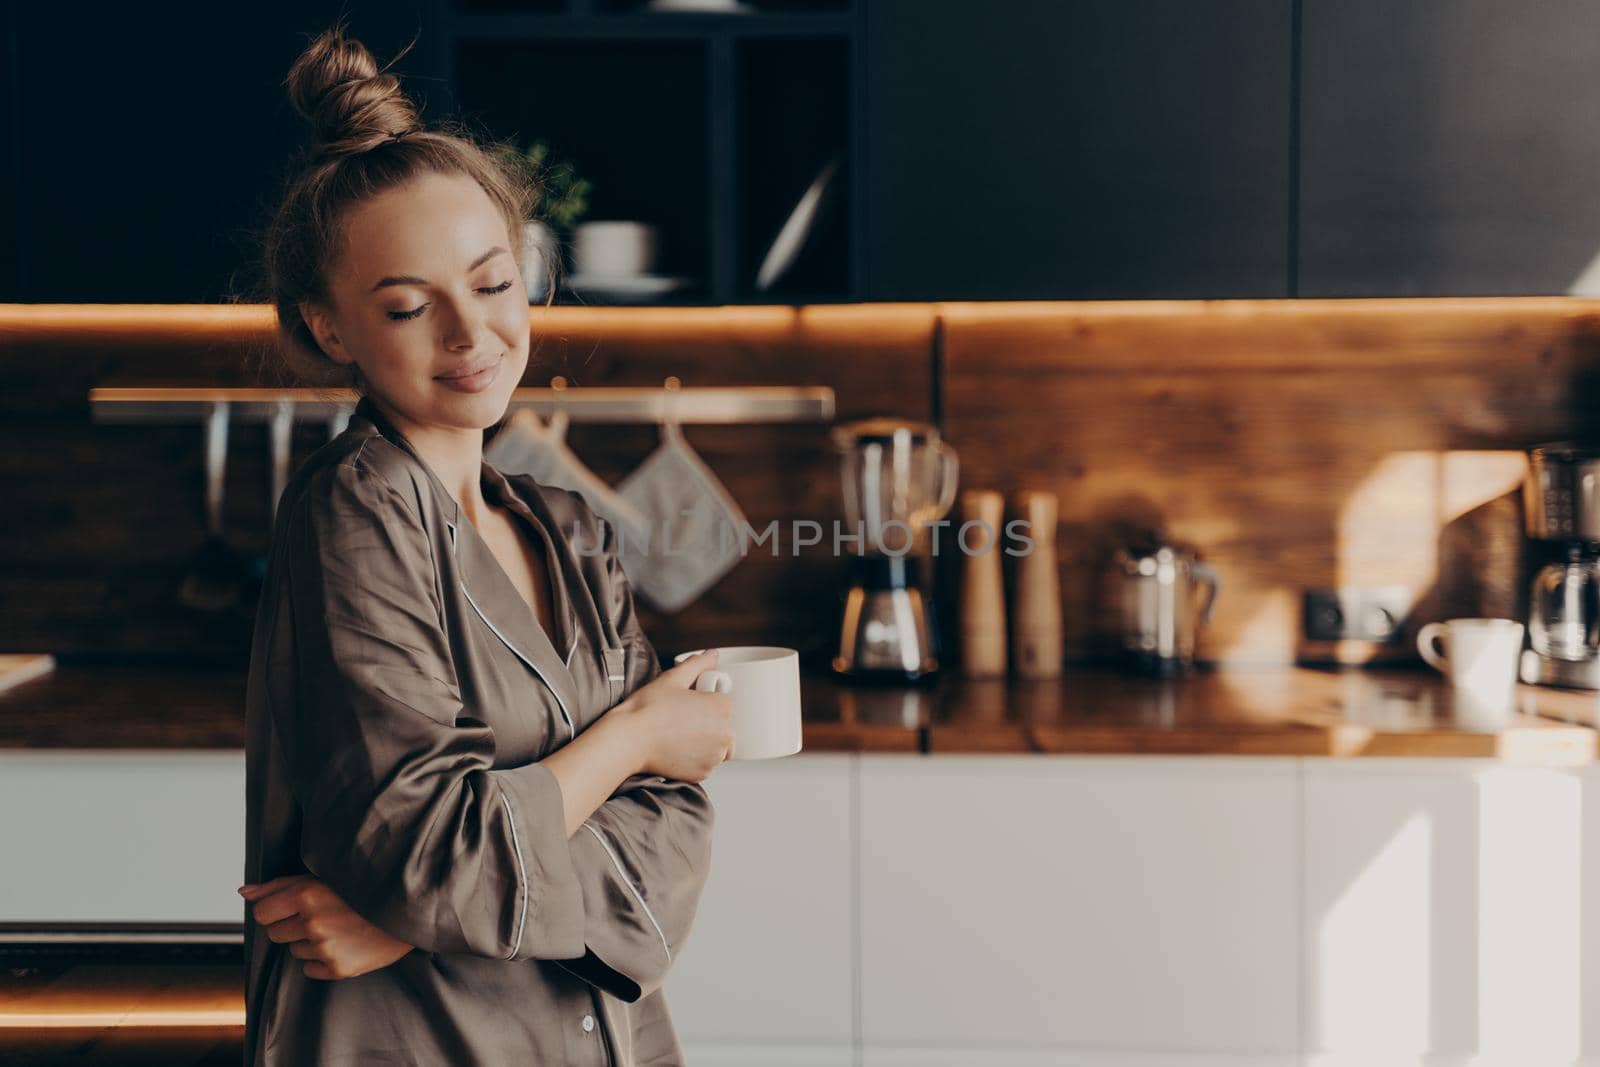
<point x="1269" y="711"/>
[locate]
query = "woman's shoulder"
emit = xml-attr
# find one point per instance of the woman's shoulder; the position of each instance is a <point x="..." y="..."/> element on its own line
<point x="357" y="476"/>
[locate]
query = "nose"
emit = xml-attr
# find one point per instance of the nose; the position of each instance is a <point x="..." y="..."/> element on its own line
<point x="464" y="326"/>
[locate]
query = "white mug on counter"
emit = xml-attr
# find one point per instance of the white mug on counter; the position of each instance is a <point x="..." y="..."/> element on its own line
<point x="764" y="681"/>
<point x="1480" y="657"/>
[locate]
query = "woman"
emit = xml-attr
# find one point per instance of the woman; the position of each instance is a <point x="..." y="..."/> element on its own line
<point x="475" y="833"/>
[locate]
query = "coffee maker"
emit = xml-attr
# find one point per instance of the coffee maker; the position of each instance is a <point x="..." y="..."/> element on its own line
<point x="897" y="477"/>
<point x="1561" y="508"/>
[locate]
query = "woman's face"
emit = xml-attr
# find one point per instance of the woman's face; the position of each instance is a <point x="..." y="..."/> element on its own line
<point x="426" y="287"/>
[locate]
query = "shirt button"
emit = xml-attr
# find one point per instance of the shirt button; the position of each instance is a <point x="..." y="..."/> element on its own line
<point x="588" y="1023"/>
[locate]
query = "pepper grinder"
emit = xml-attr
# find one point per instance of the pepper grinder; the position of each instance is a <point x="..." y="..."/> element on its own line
<point x="1036" y="646"/>
<point x="983" y="608"/>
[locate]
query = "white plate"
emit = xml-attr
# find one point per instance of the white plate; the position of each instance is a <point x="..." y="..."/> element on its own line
<point x="792" y="237"/>
<point x="625" y="284"/>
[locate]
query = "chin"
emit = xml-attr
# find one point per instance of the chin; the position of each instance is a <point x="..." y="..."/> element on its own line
<point x="478" y="412"/>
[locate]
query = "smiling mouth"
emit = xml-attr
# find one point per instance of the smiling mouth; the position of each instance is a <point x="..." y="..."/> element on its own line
<point x="469" y="371"/>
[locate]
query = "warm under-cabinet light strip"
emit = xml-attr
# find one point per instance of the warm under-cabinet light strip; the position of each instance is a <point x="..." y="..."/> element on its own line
<point x="92" y="1019"/>
<point x="627" y="404"/>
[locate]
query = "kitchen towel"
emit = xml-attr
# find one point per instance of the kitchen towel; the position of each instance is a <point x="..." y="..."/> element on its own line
<point x="527" y="445"/>
<point x="696" y="531"/>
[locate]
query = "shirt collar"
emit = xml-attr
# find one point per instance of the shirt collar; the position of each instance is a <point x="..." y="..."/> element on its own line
<point x="486" y="581"/>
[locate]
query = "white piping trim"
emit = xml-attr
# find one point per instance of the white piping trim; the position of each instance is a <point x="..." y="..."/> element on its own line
<point x="573" y="647"/>
<point x="566" y="715"/>
<point x="625" y="881"/>
<point x="522" y="873"/>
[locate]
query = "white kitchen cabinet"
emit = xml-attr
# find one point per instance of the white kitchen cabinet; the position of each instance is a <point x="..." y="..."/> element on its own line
<point x="1450" y="913"/>
<point x="990" y="1056"/>
<point x="121" y="836"/>
<point x="767" y="975"/>
<point x="1074" y="909"/>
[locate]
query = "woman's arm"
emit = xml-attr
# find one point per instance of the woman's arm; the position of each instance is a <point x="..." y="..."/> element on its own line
<point x="334" y="941"/>
<point x="592" y="765"/>
<point x="655" y="730"/>
<point x="643" y="855"/>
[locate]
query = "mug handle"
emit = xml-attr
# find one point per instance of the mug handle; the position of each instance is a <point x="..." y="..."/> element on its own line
<point x="1430" y="652"/>
<point x="713" y="682"/>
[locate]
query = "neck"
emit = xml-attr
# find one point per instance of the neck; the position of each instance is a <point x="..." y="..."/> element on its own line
<point x="455" y="456"/>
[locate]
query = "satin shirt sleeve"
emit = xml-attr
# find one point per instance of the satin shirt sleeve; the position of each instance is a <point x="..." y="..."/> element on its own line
<point x="642" y="858"/>
<point x="405" y="815"/>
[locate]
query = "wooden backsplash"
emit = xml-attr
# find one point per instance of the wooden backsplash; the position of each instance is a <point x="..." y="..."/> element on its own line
<point x="102" y="518"/>
<point x="1296" y="444"/>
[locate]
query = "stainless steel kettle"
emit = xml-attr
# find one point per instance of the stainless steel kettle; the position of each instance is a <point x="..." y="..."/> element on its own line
<point x="1162" y="607"/>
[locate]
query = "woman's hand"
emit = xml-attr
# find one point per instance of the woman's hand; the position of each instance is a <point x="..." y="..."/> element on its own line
<point x="319" y="927"/>
<point x="684" y="733"/>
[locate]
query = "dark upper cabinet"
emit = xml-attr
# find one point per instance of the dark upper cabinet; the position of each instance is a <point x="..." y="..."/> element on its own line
<point x="1448" y="147"/>
<point x="152" y="140"/>
<point x="1091" y="149"/>
<point x="1078" y="149"/>
<point x="10" y="207"/>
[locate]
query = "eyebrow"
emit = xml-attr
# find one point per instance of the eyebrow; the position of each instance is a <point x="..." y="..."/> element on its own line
<point x="412" y="279"/>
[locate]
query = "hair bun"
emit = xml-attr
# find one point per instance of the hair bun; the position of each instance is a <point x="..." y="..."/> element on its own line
<point x="352" y="106"/>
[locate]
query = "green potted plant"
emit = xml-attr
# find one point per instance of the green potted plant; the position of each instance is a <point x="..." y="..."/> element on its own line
<point x="563" y="197"/>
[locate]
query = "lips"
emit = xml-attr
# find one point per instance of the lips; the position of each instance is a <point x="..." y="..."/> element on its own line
<point x="466" y="370"/>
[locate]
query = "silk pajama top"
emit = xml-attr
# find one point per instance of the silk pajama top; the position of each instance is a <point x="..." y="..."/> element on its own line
<point x="401" y="694"/>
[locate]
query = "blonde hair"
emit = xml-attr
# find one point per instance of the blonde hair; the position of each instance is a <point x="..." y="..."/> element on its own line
<point x="366" y="137"/>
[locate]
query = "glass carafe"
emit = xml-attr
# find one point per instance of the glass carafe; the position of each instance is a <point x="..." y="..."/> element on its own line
<point x="1564" y="607"/>
<point x="894" y="471"/>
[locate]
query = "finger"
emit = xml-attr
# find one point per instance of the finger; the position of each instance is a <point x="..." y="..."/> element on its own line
<point x="257" y="890"/>
<point x="683" y="674"/>
<point x="280" y="905"/>
<point x="305" y="950"/>
<point x="291" y="929"/>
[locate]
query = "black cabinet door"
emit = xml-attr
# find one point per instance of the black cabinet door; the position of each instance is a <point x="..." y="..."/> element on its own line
<point x="10" y="208"/>
<point x="1449" y="147"/>
<point x="1082" y="149"/>
<point x="152" y="139"/>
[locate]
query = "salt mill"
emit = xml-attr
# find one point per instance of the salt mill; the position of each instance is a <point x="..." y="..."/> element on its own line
<point x="1036" y="640"/>
<point x="983" y="611"/>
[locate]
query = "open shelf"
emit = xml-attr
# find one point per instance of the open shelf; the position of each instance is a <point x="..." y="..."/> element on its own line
<point x="794" y="119"/>
<point x="708" y="125"/>
<point x="752" y="8"/>
<point x="499" y="19"/>
<point x="631" y="118"/>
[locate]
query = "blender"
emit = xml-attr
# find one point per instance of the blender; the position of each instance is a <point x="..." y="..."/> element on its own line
<point x="897" y="477"/>
<point x="1561" y="505"/>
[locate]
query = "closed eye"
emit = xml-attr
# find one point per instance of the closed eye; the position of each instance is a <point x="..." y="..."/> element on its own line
<point x="401" y="316"/>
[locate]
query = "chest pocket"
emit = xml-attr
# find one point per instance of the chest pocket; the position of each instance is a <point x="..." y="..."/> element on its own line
<point x="616" y="661"/>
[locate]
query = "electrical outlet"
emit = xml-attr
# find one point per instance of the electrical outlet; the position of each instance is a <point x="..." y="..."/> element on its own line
<point x="1356" y="614"/>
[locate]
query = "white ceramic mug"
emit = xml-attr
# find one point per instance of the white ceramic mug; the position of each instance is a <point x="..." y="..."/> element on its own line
<point x="1480" y="658"/>
<point x="613" y="249"/>
<point x="764" y="681"/>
